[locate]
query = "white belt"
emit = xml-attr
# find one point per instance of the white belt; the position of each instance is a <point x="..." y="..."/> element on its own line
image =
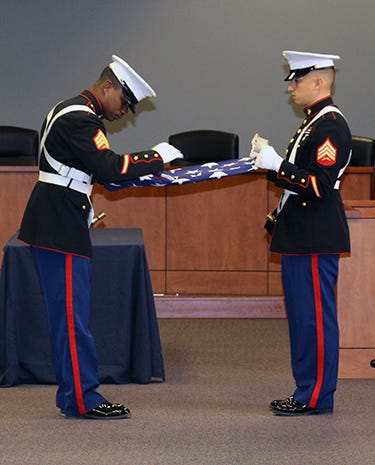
<point x="67" y="171"/>
<point x="71" y="183"/>
<point x="285" y="195"/>
<point x="336" y="186"/>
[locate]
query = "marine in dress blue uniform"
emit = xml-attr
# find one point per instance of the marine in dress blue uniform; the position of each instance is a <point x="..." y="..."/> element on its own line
<point x="310" y="231"/>
<point x="75" y="153"/>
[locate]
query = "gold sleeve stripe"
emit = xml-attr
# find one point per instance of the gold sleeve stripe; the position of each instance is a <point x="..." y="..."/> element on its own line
<point x="315" y="186"/>
<point x="125" y="165"/>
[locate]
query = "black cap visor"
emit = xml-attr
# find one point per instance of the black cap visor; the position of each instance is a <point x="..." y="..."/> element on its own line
<point x="298" y="73"/>
<point x="129" y="97"/>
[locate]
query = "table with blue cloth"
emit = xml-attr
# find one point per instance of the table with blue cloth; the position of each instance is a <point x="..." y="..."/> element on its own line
<point x="122" y="319"/>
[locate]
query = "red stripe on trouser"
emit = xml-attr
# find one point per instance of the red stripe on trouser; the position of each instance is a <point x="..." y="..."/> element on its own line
<point x="71" y="333"/>
<point x="319" y="331"/>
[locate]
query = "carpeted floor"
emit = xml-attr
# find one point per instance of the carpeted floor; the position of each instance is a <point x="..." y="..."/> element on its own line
<point x="212" y="409"/>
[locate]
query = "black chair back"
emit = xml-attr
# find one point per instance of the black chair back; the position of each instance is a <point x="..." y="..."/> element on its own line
<point x="205" y="145"/>
<point x="363" y="151"/>
<point x="18" y="146"/>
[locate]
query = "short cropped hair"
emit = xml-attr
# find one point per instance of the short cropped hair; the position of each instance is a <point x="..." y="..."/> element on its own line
<point x="107" y="73"/>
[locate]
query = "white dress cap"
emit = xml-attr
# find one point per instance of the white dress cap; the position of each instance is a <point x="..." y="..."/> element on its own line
<point x="135" y="87"/>
<point x="301" y="63"/>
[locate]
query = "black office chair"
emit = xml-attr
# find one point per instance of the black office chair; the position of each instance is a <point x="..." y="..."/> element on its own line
<point x="18" y="146"/>
<point x="363" y="151"/>
<point x="205" y="145"/>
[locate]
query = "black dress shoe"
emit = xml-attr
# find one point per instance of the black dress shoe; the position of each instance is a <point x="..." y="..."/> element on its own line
<point x="291" y="407"/>
<point x="275" y="403"/>
<point x="104" y="411"/>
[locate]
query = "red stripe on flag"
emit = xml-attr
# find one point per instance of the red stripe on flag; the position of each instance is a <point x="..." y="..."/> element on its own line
<point x="319" y="332"/>
<point x="71" y="332"/>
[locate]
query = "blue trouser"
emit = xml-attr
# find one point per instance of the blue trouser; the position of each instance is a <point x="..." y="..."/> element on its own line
<point x="65" y="281"/>
<point x="309" y="288"/>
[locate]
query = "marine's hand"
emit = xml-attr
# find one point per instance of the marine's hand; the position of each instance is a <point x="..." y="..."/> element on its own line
<point x="268" y="158"/>
<point x="167" y="152"/>
<point x="256" y="142"/>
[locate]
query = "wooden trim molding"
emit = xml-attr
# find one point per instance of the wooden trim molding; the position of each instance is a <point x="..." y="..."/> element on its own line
<point x="219" y="307"/>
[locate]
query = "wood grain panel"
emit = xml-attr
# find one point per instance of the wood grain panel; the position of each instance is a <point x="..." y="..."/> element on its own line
<point x="356" y="290"/>
<point x="217" y="225"/>
<point x="355" y="363"/>
<point x="16" y="185"/>
<point x="357" y="183"/>
<point x="158" y="281"/>
<point x="356" y="293"/>
<point x="136" y="207"/>
<point x="275" y="286"/>
<point x="217" y="282"/>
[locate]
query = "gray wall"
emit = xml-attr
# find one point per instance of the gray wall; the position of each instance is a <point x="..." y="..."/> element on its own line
<point x="214" y="63"/>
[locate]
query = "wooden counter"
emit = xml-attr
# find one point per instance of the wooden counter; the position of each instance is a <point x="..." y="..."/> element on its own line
<point x="16" y="184"/>
<point x="356" y="294"/>
<point x="201" y="239"/>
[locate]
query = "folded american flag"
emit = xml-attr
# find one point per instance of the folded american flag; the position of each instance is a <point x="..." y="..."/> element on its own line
<point x="192" y="174"/>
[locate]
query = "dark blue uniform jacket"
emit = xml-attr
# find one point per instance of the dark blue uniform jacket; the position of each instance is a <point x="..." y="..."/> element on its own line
<point x="314" y="220"/>
<point x="56" y="216"/>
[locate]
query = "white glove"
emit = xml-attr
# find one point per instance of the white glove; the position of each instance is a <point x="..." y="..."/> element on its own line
<point x="167" y="152"/>
<point x="268" y="158"/>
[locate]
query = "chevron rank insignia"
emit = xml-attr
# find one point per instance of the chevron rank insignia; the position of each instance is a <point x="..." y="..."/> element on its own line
<point x="326" y="153"/>
<point x="101" y="141"/>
